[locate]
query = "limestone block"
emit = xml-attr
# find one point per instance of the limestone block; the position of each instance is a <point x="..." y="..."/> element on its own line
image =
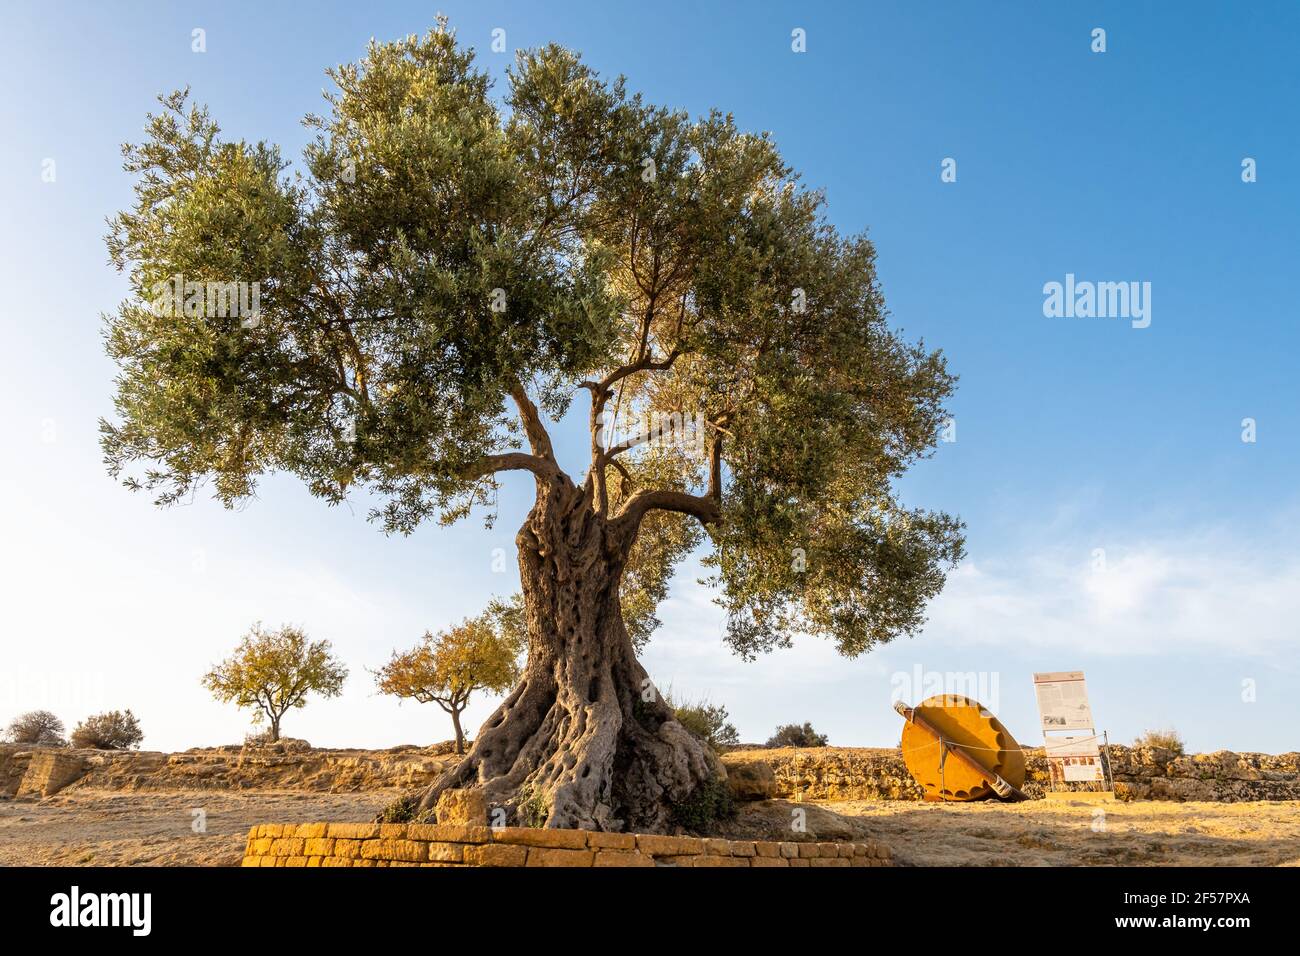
<point x="623" y="858"/>
<point x="657" y="845"/>
<point x="548" y="856"/>
<point x="462" y="806"/>
<point x="612" y="841"/>
<point x="50" y="771"/>
<point x="527" y="836"/>
<point x="496" y="855"/>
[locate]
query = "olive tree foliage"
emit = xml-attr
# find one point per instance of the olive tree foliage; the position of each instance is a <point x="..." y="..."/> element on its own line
<point x="445" y="273"/>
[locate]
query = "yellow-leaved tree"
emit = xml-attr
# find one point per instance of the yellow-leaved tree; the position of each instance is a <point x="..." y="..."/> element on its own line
<point x="273" y="671"/>
<point x="480" y="653"/>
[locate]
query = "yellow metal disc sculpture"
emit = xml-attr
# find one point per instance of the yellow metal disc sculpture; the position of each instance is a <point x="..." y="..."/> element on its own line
<point x="957" y="750"/>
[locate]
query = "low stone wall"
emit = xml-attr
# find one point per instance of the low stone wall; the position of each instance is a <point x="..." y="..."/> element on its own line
<point x="1141" y="773"/>
<point x="418" y="844"/>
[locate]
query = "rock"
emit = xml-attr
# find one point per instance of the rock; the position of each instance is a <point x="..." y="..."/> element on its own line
<point x="750" y="779"/>
<point x="783" y="820"/>
<point x="462" y="806"/>
<point x="285" y="745"/>
<point x="14" y="759"/>
<point x="50" y="771"/>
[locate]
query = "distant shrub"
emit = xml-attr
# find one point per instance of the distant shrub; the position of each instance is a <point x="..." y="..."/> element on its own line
<point x="794" y="735"/>
<point x="114" y="730"/>
<point x="1167" y="739"/>
<point x="37" y="727"/>
<point x="706" y="721"/>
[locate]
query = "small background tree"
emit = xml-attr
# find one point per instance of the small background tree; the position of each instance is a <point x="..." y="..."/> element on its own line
<point x="113" y="730"/>
<point x="796" y="735"/>
<point x="481" y="653"/>
<point x="37" y="727"/>
<point x="273" y="671"/>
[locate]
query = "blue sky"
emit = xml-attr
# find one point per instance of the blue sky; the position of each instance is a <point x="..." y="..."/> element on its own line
<point x="1073" y="434"/>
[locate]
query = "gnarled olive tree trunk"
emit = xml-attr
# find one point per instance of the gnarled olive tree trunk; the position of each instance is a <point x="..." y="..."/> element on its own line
<point x="584" y="741"/>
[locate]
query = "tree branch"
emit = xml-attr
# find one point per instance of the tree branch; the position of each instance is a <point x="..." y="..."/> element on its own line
<point x="510" y="461"/>
<point x="715" y="459"/>
<point x="538" y="439"/>
<point x="601" y="393"/>
<point x="715" y="470"/>
<point x="697" y="506"/>
<point x="644" y="364"/>
<point x="627" y="478"/>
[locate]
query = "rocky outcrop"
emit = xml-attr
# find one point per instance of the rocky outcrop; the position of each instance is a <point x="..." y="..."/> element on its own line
<point x="817" y="773"/>
<point x="1141" y="773"/>
<point x="14" y="759"/>
<point x="1152" y="773"/>
<point x="835" y="773"/>
<point x="750" y="779"/>
<point x="49" y="771"/>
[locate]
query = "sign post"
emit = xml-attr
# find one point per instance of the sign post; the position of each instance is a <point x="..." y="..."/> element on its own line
<point x="1070" y="740"/>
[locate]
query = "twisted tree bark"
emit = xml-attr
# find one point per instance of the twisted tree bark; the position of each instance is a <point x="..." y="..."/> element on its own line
<point x="585" y="740"/>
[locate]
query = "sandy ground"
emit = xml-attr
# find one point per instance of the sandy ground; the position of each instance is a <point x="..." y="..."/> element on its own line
<point x="1039" y="833"/>
<point x="115" y="828"/>
<point x="89" y="828"/>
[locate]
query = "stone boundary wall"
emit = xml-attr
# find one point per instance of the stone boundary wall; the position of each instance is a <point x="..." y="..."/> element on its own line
<point x="1141" y="773"/>
<point x="419" y="844"/>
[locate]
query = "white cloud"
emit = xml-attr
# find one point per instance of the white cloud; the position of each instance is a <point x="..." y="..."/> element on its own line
<point x="1214" y="590"/>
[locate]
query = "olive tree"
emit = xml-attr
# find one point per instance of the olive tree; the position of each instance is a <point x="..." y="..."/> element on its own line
<point x="272" y="672"/>
<point x="437" y="284"/>
<point x="448" y="668"/>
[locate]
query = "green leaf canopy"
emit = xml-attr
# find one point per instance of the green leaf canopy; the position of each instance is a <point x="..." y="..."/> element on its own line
<point x="445" y="270"/>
